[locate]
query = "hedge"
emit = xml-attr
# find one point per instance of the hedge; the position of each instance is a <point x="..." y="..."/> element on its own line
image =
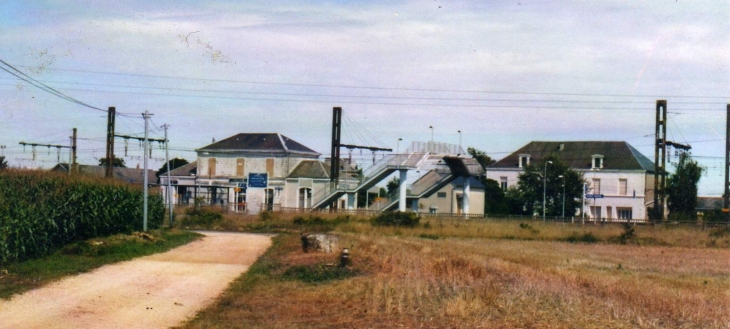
<point x="43" y="211"/>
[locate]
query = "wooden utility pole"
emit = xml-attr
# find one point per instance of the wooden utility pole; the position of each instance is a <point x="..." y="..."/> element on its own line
<point x="335" y="153"/>
<point x="169" y="183"/>
<point x="726" y="194"/>
<point x="74" y="166"/>
<point x="660" y="160"/>
<point x="146" y="115"/>
<point x="336" y="145"/>
<point x="660" y="150"/>
<point x="111" y="117"/>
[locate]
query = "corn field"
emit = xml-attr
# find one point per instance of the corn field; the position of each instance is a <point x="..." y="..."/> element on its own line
<point x="42" y="211"/>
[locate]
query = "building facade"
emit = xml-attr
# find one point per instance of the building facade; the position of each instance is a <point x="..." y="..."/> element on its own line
<point x="619" y="179"/>
<point x="286" y="173"/>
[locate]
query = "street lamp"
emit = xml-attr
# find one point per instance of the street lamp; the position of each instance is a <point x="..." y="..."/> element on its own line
<point x="430" y="147"/>
<point x="459" y="138"/>
<point x="397" y="148"/>
<point x="544" y="190"/>
<point x="563" y="177"/>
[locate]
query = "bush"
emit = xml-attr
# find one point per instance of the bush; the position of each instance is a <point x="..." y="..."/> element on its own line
<point x="319" y="224"/>
<point x="267" y="215"/>
<point x="406" y="219"/>
<point x="429" y="236"/>
<point x="532" y="230"/>
<point x="318" y="273"/>
<point x="42" y="211"/>
<point x="628" y="233"/>
<point x="586" y="237"/>
<point x="201" y="216"/>
<point x="719" y="232"/>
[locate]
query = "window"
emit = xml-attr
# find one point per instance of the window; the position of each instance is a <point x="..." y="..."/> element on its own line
<point x="269" y="199"/>
<point x="595" y="211"/>
<point x="305" y="198"/>
<point x="597" y="161"/>
<point x="270" y="167"/>
<point x="239" y="167"/>
<point x="441" y="194"/>
<point x="503" y="183"/>
<point x="524" y="160"/>
<point x="622" y="186"/>
<point x="624" y="213"/>
<point x="211" y="167"/>
<point x="596" y="186"/>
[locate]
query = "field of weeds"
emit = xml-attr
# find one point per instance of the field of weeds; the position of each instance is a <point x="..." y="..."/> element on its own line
<point x="479" y="274"/>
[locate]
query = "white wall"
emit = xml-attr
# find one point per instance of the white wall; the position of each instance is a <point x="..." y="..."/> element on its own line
<point x="636" y="181"/>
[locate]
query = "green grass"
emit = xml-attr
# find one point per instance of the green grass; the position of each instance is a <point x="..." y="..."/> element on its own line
<point x="84" y="256"/>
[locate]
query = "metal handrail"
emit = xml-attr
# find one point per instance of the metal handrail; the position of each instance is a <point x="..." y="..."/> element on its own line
<point x="384" y="203"/>
<point x="426" y="182"/>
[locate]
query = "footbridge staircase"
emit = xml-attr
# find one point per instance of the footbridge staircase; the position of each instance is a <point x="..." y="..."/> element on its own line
<point x="371" y="176"/>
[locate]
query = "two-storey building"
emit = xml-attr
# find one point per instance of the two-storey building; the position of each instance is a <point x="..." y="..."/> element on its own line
<point x="286" y="172"/>
<point x="621" y="176"/>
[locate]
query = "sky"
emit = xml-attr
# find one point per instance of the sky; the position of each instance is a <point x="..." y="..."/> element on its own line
<point x="504" y="73"/>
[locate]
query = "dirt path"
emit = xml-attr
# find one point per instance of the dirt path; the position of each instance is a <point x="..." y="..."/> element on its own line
<point x="157" y="291"/>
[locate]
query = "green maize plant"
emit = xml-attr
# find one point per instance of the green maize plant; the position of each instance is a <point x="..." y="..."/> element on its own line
<point x="42" y="211"/>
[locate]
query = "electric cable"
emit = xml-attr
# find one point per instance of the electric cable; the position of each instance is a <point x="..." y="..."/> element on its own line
<point x="44" y="87"/>
<point x="389" y="88"/>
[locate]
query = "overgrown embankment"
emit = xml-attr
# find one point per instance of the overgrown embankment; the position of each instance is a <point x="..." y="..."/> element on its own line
<point x="42" y="211"/>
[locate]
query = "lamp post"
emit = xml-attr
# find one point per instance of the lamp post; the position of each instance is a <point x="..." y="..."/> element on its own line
<point x="430" y="146"/>
<point x="544" y="190"/>
<point x="397" y="147"/>
<point x="459" y="138"/>
<point x="563" y="177"/>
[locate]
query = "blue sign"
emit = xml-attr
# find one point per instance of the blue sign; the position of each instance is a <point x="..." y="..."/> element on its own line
<point x="594" y="196"/>
<point x="258" y="180"/>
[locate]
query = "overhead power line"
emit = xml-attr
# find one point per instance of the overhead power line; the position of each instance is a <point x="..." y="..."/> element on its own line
<point x="371" y="96"/>
<point x="381" y="103"/>
<point x="389" y="88"/>
<point x="40" y="85"/>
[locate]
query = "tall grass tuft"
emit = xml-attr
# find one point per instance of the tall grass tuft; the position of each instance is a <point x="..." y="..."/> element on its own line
<point x="42" y="211"/>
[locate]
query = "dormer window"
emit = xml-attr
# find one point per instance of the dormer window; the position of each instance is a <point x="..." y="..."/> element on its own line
<point x="597" y="162"/>
<point x="524" y="160"/>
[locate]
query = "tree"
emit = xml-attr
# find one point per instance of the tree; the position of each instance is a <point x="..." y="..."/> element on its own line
<point x="481" y="157"/>
<point x="174" y="163"/>
<point x="495" y="202"/>
<point x="118" y="162"/>
<point x="532" y="184"/>
<point x="682" y="188"/>
<point x="514" y="201"/>
<point x="3" y="163"/>
<point x="493" y="194"/>
<point x="393" y="184"/>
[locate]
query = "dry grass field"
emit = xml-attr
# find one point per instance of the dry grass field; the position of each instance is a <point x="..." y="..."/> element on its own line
<point x="485" y="274"/>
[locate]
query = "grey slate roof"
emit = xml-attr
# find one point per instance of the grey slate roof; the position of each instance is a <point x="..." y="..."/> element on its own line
<point x="259" y="143"/>
<point x="617" y="155"/>
<point x="310" y="169"/>
<point x="185" y="170"/>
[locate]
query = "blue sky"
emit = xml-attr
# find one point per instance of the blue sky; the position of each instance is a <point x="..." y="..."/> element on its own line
<point x="504" y="73"/>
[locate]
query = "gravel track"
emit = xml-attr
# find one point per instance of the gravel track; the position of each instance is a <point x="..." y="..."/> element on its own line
<point x="157" y="291"/>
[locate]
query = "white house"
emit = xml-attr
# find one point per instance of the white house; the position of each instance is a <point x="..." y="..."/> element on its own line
<point x="614" y="169"/>
<point x="287" y="173"/>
